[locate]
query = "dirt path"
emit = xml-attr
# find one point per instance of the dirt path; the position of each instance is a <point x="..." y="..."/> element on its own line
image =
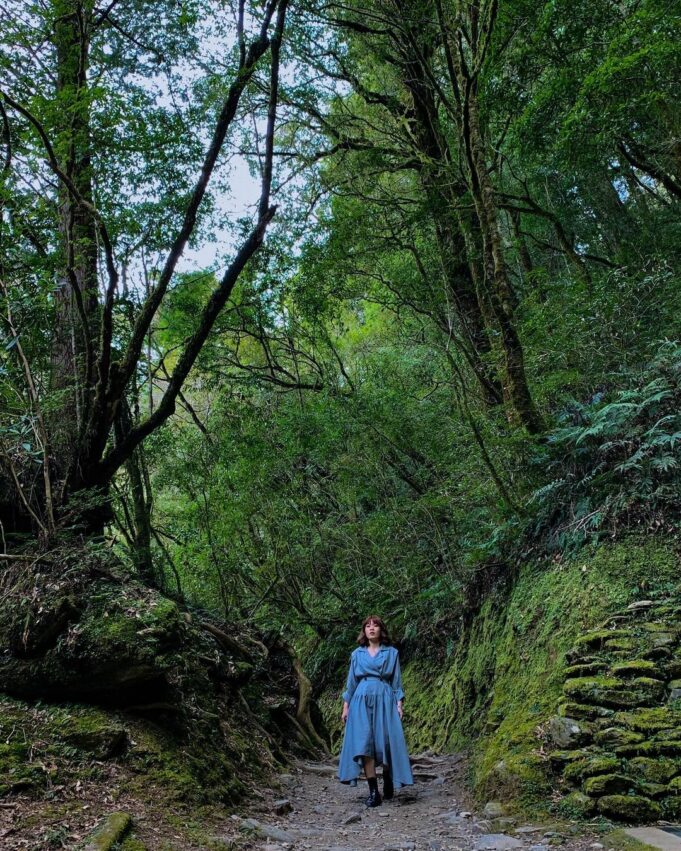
<point x="435" y="814"/>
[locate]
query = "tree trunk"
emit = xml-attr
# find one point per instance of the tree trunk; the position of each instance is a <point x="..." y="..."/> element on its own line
<point x="501" y="293"/>
<point x="76" y="296"/>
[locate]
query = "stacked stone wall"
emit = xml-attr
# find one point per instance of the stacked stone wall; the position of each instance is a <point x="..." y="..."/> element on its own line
<point x="616" y="738"/>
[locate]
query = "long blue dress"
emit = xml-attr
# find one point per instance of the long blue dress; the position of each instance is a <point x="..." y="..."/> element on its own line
<point x="373" y="728"/>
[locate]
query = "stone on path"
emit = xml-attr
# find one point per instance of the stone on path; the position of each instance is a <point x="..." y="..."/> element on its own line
<point x="497" y="842"/>
<point x="323" y="769"/>
<point x="266" y="831"/>
<point x="282" y="807"/>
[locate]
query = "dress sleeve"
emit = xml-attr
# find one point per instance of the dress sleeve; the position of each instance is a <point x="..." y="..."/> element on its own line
<point x="351" y="683"/>
<point x="397" y="679"/>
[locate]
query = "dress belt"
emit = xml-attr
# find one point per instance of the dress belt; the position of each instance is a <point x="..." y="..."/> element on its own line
<point x="374" y="677"/>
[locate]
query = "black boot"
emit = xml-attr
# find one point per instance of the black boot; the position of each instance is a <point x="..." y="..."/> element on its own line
<point x="374" y="799"/>
<point x="388" y="790"/>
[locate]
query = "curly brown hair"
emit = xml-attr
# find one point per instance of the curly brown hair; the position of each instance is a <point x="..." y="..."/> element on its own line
<point x="363" y="641"/>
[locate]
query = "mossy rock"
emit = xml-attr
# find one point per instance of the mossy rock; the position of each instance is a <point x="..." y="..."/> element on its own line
<point x="94" y="734"/>
<point x="650" y="748"/>
<point x="595" y="640"/>
<point x="657" y="654"/>
<point x="611" y="692"/>
<point x="576" y="805"/>
<point x="584" y="712"/>
<point x="638" y="668"/>
<point x="649" y="720"/>
<point x="664" y="639"/>
<point x="660" y="627"/>
<point x="673" y="667"/>
<point x="17" y="774"/>
<point x="519" y="777"/>
<point x="109" y="833"/>
<point x="653" y="790"/>
<point x="660" y="770"/>
<point x="568" y="732"/>
<point x="581" y="769"/>
<point x="619" y="646"/>
<point x="629" y="808"/>
<point x="560" y="759"/>
<point x="671" y="807"/>
<point x="585" y="669"/>
<point x="608" y="784"/>
<point x="614" y="736"/>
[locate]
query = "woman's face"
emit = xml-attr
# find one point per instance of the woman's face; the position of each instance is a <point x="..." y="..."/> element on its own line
<point x="372" y="631"/>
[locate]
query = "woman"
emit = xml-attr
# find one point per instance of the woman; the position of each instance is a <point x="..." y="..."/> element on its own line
<point x="372" y="713"/>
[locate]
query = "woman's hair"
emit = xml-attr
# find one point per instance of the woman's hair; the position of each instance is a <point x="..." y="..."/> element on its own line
<point x="363" y="641"/>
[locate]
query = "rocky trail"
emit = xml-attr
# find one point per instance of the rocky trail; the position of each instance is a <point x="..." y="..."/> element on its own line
<point x="314" y="811"/>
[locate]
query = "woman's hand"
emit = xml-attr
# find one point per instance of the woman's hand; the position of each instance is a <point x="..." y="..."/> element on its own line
<point x="400" y="711"/>
<point x="344" y="713"/>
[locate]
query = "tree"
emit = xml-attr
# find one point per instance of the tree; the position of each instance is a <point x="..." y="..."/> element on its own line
<point x="51" y="120"/>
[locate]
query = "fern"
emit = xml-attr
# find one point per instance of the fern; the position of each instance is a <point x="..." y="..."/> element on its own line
<point x="621" y="464"/>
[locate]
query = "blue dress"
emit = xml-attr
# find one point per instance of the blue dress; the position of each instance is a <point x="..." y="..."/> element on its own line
<point x="373" y="728"/>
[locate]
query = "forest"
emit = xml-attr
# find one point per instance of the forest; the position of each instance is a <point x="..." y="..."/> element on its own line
<point x="312" y="310"/>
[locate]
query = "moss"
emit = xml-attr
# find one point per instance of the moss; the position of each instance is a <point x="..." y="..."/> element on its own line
<point x="132" y="843"/>
<point x="630" y="808"/>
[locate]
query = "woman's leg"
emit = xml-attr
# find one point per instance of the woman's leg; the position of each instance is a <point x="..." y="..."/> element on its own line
<point x="374" y="799"/>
